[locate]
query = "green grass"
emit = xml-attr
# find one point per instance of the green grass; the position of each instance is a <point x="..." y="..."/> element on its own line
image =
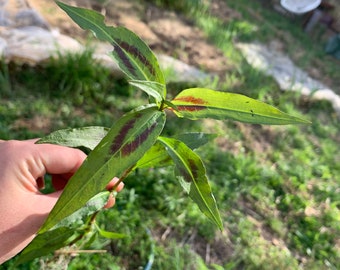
<point x="277" y="187"/>
<point x="185" y="6"/>
<point x="264" y="24"/>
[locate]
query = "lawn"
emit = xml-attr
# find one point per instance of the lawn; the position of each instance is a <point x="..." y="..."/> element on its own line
<point x="277" y="187"/>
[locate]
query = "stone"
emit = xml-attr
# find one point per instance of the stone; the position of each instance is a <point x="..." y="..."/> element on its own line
<point x="33" y="44"/>
<point x="18" y="13"/>
<point x="180" y="71"/>
<point x="26" y="37"/>
<point x="287" y="75"/>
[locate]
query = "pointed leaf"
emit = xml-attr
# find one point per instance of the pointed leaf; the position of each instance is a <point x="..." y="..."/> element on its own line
<point x="46" y="243"/>
<point x="157" y="156"/>
<point x="78" y="218"/>
<point x="195" y="139"/>
<point x="134" y="57"/>
<point x="109" y="235"/>
<point x="116" y="154"/>
<point x="75" y="220"/>
<point x="154" y="89"/>
<point x="191" y="174"/>
<point x="87" y="137"/>
<point x="197" y="103"/>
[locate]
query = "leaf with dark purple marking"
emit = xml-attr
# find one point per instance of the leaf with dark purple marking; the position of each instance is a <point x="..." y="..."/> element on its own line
<point x="132" y="54"/>
<point x="138" y="140"/>
<point x="119" y="139"/>
<point x="125" y="143"/>
<point x="191" y="174"/>
<point x="196" y="103"/>
<point x="157" y="156"/>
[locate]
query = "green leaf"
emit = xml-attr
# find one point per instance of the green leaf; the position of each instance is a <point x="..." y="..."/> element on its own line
<point x="115" y="155"/>
<point x="87" y="137"/>
<point x="134" y="57"/>
<point x="109" y="235"/>
<point x="45" y="243"/>
<point x="157" y="156"/>
<point x="78" y="218"/>
<point x="195" y="139"/>
<point x="195" y="103"/>
<point x="191" y="174"/>
<point x="154" y="89"/>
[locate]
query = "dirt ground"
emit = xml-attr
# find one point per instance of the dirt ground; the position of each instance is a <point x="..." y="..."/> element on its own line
<point x="164" y="31"/>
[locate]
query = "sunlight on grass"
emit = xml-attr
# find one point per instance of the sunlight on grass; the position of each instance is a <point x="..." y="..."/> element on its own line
<point x="277" y="187"/>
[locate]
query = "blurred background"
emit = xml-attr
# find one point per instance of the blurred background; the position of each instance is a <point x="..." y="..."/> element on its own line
<point x="277" y="187"/>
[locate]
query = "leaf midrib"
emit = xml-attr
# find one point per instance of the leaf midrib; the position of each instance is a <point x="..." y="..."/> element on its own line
<point x="100" y="27"/>
<point x="192" y="177"/>
<point x="291" y="119"/>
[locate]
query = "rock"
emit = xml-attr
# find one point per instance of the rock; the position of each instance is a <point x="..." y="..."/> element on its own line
<point x="180" y="71"/>
<point x="26" y="37"/>
<point x="17" y="13"/>
<point x="30" y="17"/>
<point x="102" y="54"/>
<point x="288" y="76"/>
<point x="32" y="44"/>
<point x="3" y="45"/>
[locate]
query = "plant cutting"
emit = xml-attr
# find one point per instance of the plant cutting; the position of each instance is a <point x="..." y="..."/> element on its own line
<point x="136" y="141"/>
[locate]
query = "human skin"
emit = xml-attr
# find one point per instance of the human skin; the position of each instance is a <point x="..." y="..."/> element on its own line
<point x="23" y="208"/>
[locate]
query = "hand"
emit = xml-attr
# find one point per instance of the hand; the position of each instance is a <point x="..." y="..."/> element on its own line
<point x="23" y="208"/>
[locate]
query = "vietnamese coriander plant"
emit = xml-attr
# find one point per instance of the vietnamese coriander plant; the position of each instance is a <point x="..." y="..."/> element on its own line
<point x="135" y="140"/>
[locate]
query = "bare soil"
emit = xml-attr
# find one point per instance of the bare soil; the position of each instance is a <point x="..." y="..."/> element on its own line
<point x="164" y="31"/>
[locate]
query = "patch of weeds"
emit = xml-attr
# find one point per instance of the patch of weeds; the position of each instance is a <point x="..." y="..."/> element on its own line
<point x="220" y="34"/>
<point x="73" y="77"/>
<point x="243" y="78"/>
<point x="94" y="261"/>
<point x="269" y="24"/>
<point x="125" y="219"/>
<point x="173" y="257"/>
<point x="5" y="82"/>
<point x="184" y="6"/>
<point x="257" y="252"/>
<point x="153" y="195"/>
<point x="280" y="192"/>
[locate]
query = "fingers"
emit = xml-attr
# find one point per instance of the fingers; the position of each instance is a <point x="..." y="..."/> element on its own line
<point x="62" y="163"/>
<point x="59" y="181"/>
<point x="112" y="184"/>
<point x="27" y="163"/>
<point x="23" y="165"/>
<point x="110" y="202"/>
<point x="59" y="160"/>
<point x="66" y="168"/>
